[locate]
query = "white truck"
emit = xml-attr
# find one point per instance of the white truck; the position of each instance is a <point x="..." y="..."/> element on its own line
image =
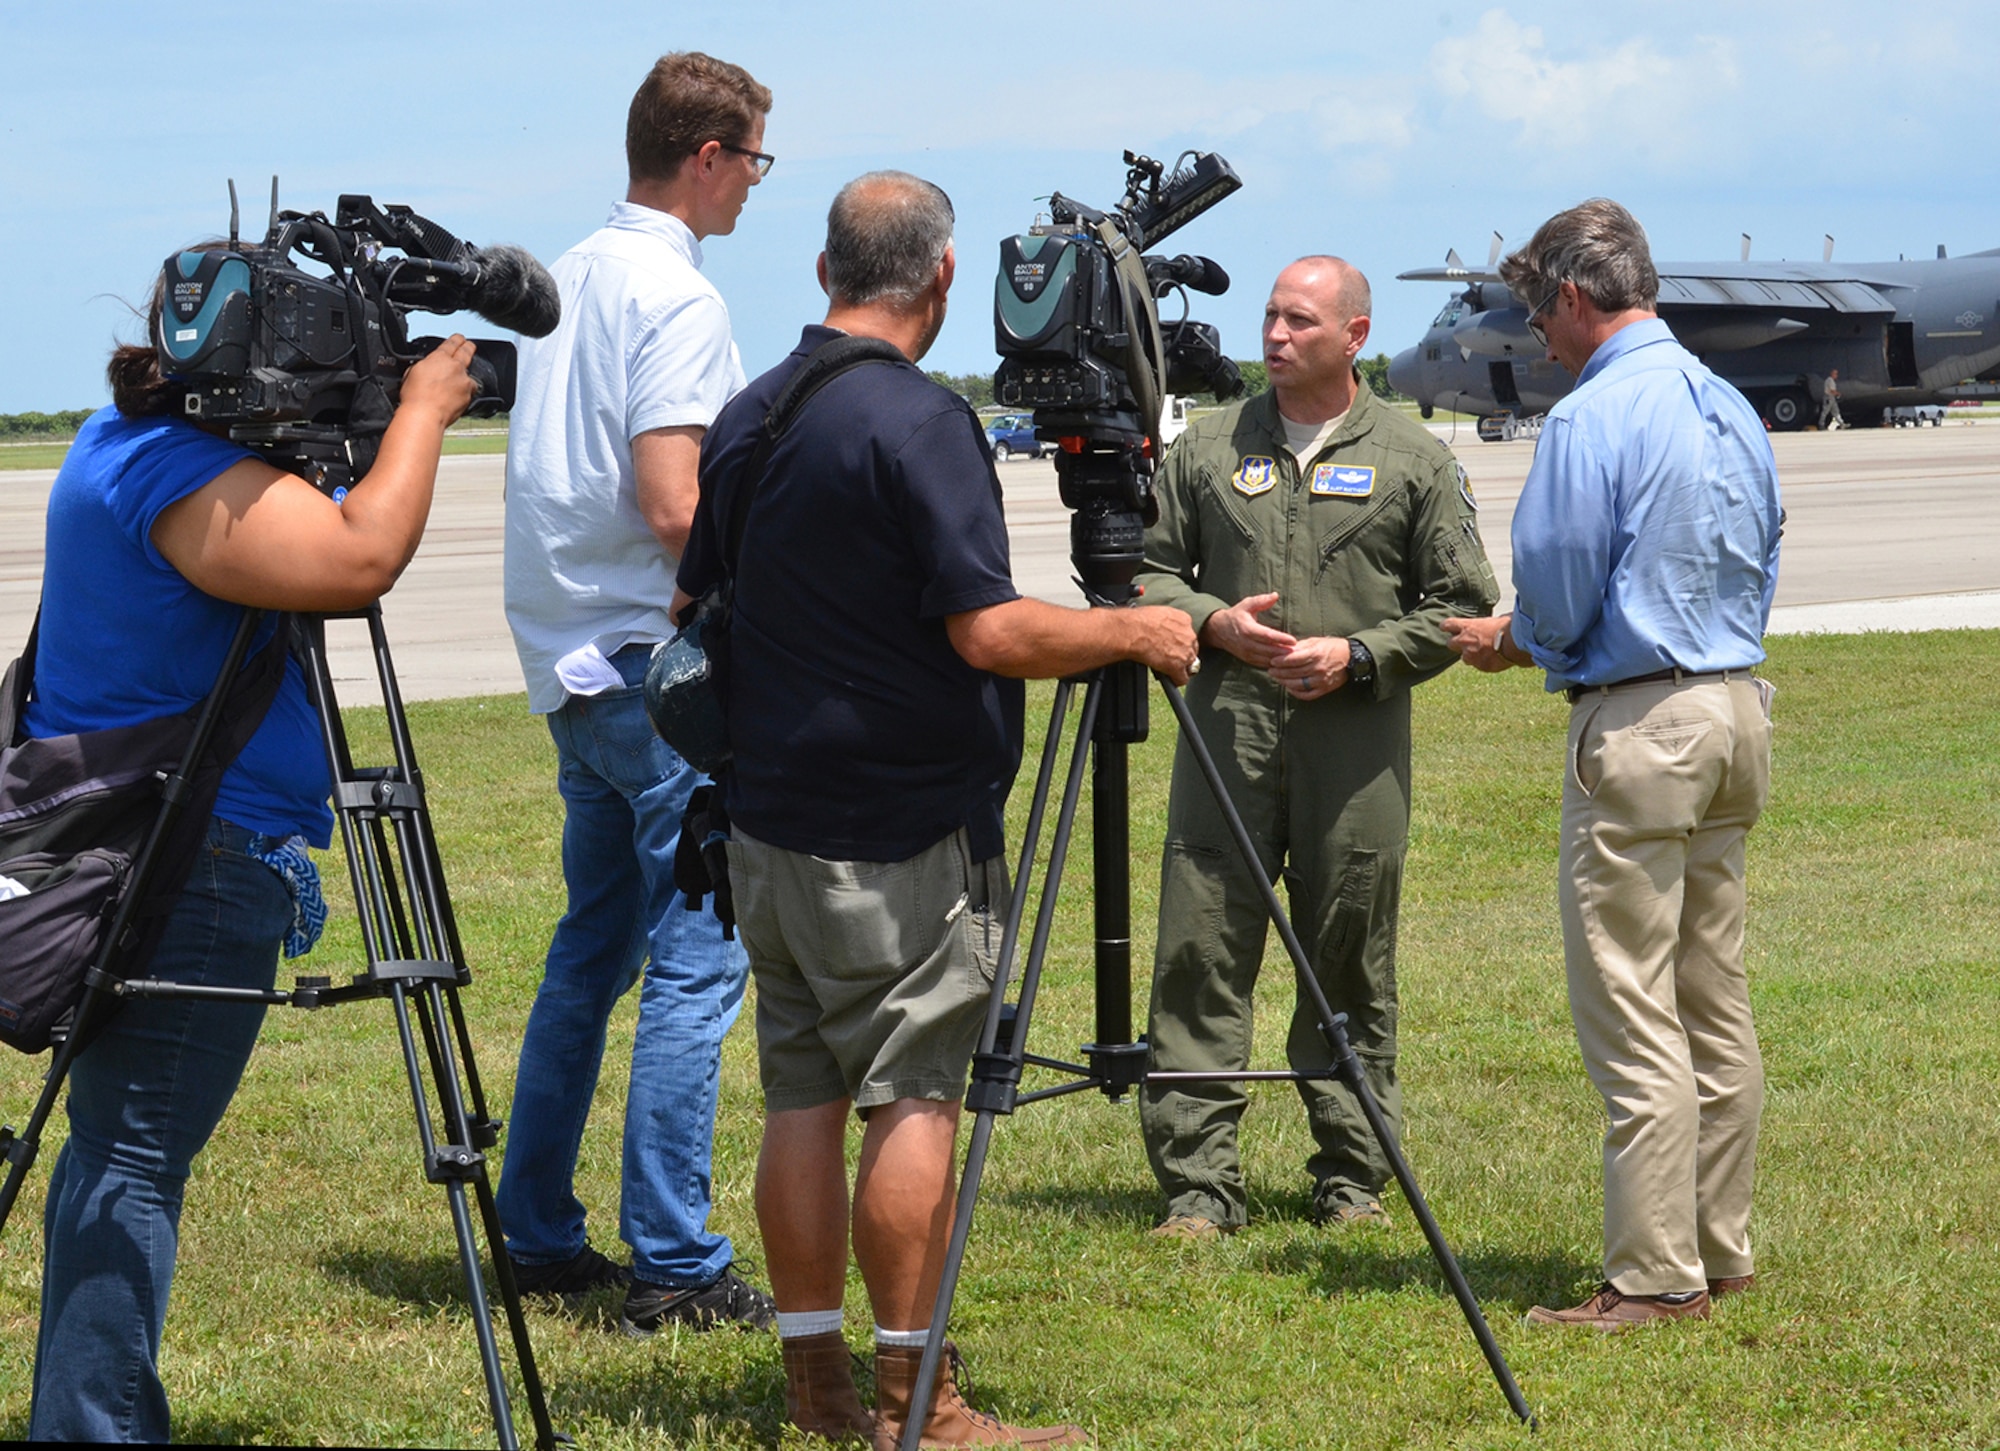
<point x="1173" y="418"/>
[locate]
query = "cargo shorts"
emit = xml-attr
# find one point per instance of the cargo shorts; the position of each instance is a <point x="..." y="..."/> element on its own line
<point x="873" y="978"/>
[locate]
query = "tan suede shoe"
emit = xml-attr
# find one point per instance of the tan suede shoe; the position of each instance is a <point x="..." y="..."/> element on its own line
<point x="1610" y="1312"/>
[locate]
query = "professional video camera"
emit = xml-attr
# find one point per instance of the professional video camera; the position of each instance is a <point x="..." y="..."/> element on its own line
<point x="1078" y="329"/>
<point x="306" y="369"/>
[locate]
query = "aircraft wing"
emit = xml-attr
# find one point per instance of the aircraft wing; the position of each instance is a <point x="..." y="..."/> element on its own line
<point x="1739" y="289"/>
<point x="1449" y="273"/>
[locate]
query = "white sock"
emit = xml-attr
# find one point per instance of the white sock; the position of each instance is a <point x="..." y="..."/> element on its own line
<point x="903" y="1339"/>
<point x="807" y="1322"/>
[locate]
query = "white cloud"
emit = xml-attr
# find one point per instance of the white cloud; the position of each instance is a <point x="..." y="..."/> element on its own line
<point x="1635" y="97"/>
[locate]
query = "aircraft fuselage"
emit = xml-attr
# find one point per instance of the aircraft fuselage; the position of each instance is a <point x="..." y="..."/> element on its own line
<point x="1898" y="332"/>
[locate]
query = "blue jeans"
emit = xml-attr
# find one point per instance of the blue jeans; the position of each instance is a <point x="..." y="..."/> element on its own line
<point x="624" y="790"/>
<point x="143" y="1100"/>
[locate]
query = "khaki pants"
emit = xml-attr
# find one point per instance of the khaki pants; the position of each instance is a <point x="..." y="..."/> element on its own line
<point x="873" y="978"/>
<point x="1664" y="783"/>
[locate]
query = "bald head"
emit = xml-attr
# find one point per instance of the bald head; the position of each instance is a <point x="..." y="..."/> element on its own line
<point x="1314" y="326"/>
<point x="1337" y="280"/>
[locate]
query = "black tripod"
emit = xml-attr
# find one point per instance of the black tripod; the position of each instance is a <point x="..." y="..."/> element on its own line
<point x="1114" y="716"/>
<point x="415" y="960"/>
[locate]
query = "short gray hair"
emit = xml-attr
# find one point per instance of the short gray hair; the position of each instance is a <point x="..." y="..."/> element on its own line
<point x="1599" y="246"/>
<point x="886" y="233"/>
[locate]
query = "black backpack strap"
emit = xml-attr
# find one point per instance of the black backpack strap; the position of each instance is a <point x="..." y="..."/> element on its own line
<point x="825" y="363"/>
<point x="248" y="697"/>
<point x="17" y="686"/>
<point x="223" y="724"/>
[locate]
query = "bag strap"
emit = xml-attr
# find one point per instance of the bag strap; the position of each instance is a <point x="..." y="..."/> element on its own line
<point x="17" y="685"/>
<point x="247" y="697"/>
<point x="223" y="724"/>
<point x="825" y="363"/>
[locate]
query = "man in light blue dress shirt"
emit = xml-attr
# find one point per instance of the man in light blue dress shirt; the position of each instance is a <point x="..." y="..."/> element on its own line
<point x="1645" y="557"/>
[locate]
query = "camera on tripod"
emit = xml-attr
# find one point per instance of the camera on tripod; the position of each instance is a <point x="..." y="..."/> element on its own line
<point x="306" y="369"/>
<point x="1077" y="326"/>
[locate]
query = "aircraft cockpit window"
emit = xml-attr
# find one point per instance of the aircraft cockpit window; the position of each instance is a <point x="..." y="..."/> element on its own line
<point x="1453" y="311"/>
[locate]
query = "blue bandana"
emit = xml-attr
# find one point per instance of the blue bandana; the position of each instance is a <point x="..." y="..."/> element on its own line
<point x="288" y="859"/>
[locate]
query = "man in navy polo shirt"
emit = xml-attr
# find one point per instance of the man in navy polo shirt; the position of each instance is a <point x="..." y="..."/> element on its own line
<point x="875" y="720"/>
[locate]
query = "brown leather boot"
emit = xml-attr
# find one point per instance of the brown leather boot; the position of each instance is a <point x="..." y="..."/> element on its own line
<point x="951" y="1422"/>
<point x="820" y="1398"/>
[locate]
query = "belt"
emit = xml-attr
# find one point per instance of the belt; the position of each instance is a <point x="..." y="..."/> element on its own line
<point x="1673" y="673"/>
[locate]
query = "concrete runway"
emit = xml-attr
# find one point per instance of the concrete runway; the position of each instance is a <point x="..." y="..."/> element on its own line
<point x="1893" y="529"/>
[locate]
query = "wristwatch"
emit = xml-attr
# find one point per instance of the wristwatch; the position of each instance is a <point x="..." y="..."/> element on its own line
<point x="1360" y="664"/>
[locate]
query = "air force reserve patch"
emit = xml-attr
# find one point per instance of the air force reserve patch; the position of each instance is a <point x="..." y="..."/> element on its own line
<point x="1344" y="481"/>
<point x="1255" y="475"/>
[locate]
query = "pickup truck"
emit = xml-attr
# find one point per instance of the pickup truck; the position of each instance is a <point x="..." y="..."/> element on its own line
<point x="1915" y="415"/>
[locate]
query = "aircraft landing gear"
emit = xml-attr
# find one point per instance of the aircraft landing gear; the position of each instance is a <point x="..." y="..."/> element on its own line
<point x="1787" y="410"/>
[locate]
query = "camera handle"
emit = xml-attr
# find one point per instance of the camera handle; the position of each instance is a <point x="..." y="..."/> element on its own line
<point x="1117" y="1064"/>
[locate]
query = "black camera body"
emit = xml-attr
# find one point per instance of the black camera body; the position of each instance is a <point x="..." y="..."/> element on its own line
<point x="1077" y="327"/>
<point x="307" y="368"/>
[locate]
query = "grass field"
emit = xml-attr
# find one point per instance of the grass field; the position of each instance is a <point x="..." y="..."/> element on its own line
<point x="319" y="1302"/>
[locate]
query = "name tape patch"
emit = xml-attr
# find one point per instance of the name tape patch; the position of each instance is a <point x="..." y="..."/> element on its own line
<point x="1344" y="481"/>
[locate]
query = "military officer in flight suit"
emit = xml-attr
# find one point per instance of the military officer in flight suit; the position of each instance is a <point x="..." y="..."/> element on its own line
<point x="1317" y="537"/>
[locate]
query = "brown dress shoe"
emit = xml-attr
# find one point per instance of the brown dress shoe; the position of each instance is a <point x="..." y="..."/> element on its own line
<point x="820" y="1398"/>
<point x="1730" y="1285"/>
<point x="950" y="1422"/>
<point x="1610" y="1312"/>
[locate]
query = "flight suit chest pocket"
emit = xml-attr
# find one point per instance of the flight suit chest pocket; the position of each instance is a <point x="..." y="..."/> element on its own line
<point x="1222" y="513"/>
<point x="1338" y="522"/>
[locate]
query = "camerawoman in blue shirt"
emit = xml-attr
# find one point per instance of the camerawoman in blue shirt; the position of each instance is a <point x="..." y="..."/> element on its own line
<point x="159" y="530"/>
<point x="1645" y="555"/>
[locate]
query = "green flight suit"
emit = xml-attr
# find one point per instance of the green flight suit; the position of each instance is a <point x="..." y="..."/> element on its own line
<point x="1374" y="539"/>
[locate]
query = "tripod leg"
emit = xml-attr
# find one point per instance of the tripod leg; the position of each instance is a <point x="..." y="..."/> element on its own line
<point x="415" y="958"/>
<point x="476" y="1133"/>
<point x="452" y="1166"/>
<point x="996" y="1075"/>
<point x="20" y="1150"/>
<point x="1334" y="1026"/>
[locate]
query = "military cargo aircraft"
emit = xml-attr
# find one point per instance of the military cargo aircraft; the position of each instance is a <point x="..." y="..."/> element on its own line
<point x="1900" y="333"/>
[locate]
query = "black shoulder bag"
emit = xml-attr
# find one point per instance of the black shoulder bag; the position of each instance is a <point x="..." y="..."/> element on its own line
<point x="686" y="683"/>
<point x="99" y="833"/>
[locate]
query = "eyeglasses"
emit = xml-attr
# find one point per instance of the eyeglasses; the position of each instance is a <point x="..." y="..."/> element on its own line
<point x="763" y="161"/>
<point x="1536" y="329"/>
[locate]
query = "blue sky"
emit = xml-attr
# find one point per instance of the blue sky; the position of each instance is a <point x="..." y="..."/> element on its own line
<point x="1385" y="133"/>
